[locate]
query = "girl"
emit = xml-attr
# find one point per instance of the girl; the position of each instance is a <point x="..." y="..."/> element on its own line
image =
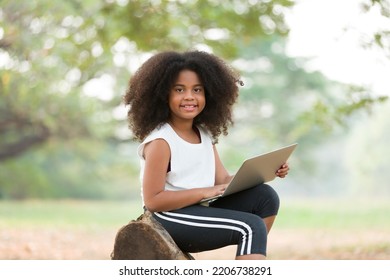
<point x="180" y="103"/>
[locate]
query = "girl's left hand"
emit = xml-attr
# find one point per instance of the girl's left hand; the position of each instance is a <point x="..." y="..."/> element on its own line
<point x="283" y="170"/>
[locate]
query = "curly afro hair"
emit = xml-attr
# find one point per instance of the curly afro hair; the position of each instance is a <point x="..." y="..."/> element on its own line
<point x="148" y="91"/>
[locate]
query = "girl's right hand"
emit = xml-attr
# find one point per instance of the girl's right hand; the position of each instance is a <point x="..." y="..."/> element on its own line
<point x="216" y="190"/>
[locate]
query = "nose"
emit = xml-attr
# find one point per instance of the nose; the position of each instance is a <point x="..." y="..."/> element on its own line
<point x="189" y="95"/>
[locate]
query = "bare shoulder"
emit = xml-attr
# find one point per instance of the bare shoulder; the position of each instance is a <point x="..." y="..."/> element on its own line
<point x="158" y="148"/>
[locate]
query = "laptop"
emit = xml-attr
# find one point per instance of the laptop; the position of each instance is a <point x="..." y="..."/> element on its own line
<point x="257" y="170"/>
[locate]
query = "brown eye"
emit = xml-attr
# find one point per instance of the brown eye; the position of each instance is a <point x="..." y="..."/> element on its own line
<point x="198" y="90"/>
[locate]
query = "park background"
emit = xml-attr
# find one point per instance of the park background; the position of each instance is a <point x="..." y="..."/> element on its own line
<point x="315" y="72"/>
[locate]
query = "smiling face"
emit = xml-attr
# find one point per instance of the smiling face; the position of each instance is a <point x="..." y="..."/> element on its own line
<point x="186" y="97"/>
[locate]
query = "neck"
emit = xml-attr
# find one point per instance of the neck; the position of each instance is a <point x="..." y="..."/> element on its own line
<point x="186" y="131"/>
<point x="182" y="125"/>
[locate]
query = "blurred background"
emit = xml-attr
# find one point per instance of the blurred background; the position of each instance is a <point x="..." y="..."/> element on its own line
<point x="315" y="72"/>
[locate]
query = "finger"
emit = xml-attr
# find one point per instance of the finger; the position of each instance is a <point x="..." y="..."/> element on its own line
<point x="281" y="174"/>
<point x="281" y="171"/>
<point x="284" y="169"/>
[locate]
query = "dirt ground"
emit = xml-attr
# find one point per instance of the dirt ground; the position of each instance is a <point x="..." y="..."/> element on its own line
<point x="94" y="244"/>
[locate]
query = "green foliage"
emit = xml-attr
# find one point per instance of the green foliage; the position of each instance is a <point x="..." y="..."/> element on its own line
<point x="80" y="169"/>
<point x="367" y="157"/>
<point x="181" y="25"/>
<point x="47" y="47"/>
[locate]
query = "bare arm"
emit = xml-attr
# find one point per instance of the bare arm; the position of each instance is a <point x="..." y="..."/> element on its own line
<point x="221" y="174"/>
<point x="156" y="198"/>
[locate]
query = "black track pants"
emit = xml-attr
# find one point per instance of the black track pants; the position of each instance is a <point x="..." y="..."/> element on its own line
<point x="232" y="220"/>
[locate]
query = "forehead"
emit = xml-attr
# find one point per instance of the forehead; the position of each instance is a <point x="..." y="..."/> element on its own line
<point x="187" y="77"/>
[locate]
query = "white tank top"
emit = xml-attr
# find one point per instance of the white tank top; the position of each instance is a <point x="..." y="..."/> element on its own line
<point x="191" y="165"/>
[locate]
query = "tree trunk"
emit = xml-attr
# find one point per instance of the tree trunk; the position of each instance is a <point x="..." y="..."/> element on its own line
<point x="146" y="239"/>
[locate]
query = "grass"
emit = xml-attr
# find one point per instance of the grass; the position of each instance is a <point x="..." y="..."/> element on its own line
<point x="335" y="214"/>
<point x="68" y="213"/>
<point x="329" y="214"/>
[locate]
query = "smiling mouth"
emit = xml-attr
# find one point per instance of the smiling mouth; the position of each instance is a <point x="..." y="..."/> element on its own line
<point x="189" y="106"/>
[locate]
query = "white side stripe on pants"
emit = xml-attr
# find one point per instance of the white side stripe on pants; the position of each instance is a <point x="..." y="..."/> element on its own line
<point x="247" y="233"/>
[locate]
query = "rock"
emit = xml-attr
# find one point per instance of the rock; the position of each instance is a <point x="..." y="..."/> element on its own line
<point x="146" y="239"/>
